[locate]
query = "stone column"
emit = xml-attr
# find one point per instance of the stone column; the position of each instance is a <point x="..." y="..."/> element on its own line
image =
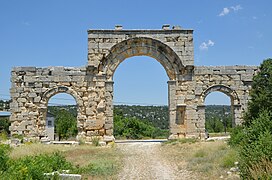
<point x="201" y="120"/>
<point x="237" y="115"/>
<point x="172" y="106"/>
<point x="109" y="111"/>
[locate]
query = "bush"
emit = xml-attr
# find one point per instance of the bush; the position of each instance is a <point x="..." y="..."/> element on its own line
<point x="4" y="125"/>
<point x="132" y="128"/>
<point x="34" y="167"/>
<point x="3" y="135"/>
<point x="254" y="138"/>
<point x="257" y="147"/>
<point x="237" y="135"/>
<point x="4" y="158"/>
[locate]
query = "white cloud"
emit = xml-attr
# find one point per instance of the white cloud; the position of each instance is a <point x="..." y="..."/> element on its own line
<point x="236" y="8"/>
<point x="206" y="45"/>
<point x="227" y="10"/>
<point x="224" y="12"/>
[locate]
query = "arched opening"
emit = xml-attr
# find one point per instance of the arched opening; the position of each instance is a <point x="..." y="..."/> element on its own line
<point x="61" y="117"/>
<point x="140" y="99"/>
<point x="218" y="113"/>
<point x="142" y="46"/>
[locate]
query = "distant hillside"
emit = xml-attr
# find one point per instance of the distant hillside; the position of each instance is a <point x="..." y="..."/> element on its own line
<point x="220" y="111"/>
<point x="158" y="115"/>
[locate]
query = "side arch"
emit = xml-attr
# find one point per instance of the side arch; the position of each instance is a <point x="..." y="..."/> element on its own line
<point x="61" y="89"/>
<point x="224" y="89"/>
<point x="235" y="104"/>
<point x="142" y="46"/>
<point x="56" y="90"/>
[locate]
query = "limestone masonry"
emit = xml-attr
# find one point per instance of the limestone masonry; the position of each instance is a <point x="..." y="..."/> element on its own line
<point x="92" y="85"/>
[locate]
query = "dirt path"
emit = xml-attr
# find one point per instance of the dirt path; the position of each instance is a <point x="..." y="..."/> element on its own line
<point x="145" y="160"/>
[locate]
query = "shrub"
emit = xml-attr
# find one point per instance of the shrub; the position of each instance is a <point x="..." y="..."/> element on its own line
<point x="4" y="125"/>
<point x="257" y="147"/>
<point x="255" y="138"/>
<point x="133" y="128"/>
<point x="3" y="135"/>
<point x="237" y="135"/>
<point x="34" y="167"/>
<point x="4" y="158"/>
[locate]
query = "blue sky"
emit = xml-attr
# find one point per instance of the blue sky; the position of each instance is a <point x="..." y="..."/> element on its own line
<point x="54" y="33"/>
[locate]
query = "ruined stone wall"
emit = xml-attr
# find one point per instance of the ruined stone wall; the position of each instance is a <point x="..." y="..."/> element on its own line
<point x="33" y="87"/>
<point x="92" y="86"/>
<point x="234" y="81"/>
<point x="102" y="42"/>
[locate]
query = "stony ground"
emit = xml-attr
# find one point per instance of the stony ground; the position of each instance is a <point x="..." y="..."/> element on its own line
<point x="145" y="160"/>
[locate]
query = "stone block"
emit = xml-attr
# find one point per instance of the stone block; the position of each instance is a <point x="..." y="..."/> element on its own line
<point x="32" y="94"/>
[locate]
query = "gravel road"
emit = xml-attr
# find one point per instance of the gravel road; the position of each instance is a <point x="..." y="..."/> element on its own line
<point x="145" y="160"/>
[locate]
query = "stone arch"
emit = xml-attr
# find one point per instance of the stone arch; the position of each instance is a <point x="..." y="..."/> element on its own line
<point x="235" y="103"/>
<point x="61" y="89"/>
<point x="142" y="46"/>
<point x="224" y="89"/>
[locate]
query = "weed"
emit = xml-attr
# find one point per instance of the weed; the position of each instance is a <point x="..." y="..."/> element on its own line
<point x="262" y="170"/>
<point x="200" y="153"/>
<point x="81" y="142"/>
<point x="95" y="141"/>
<point x="3" y="136"/>
<point x="228" y="158"/>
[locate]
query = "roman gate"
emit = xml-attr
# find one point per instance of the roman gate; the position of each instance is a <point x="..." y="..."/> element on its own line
<point x="92" y="85"/>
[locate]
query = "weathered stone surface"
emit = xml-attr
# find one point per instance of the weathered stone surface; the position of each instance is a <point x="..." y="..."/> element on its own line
<point x="92" y="86"/>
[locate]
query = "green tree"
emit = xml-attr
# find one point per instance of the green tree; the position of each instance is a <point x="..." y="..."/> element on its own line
<point x="261" y="93"/>
<point x="134" y="128"/>
<point x="256" y="148"/>
<point x="214" y="124"/>
<point x="254" y="137"/>
<point x="4" y="125"/>
<point x="66" y="124"/>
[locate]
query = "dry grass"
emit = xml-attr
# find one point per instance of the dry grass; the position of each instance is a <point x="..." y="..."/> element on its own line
<point x="99" y="162"/>
<point x="208" y="160"/>
<point x="262" y="170"/>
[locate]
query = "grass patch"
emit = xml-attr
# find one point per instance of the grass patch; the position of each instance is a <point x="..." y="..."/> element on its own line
<point x="200" y="153"/>
<point x="208" y="160"/>
<point x="87" y="160"/>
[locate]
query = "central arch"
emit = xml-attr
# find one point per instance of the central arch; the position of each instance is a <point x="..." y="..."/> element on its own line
<point x="142" y="46"/>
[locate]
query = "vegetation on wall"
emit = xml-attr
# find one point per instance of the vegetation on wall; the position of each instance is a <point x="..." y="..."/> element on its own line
<point x="254" y="137"/>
